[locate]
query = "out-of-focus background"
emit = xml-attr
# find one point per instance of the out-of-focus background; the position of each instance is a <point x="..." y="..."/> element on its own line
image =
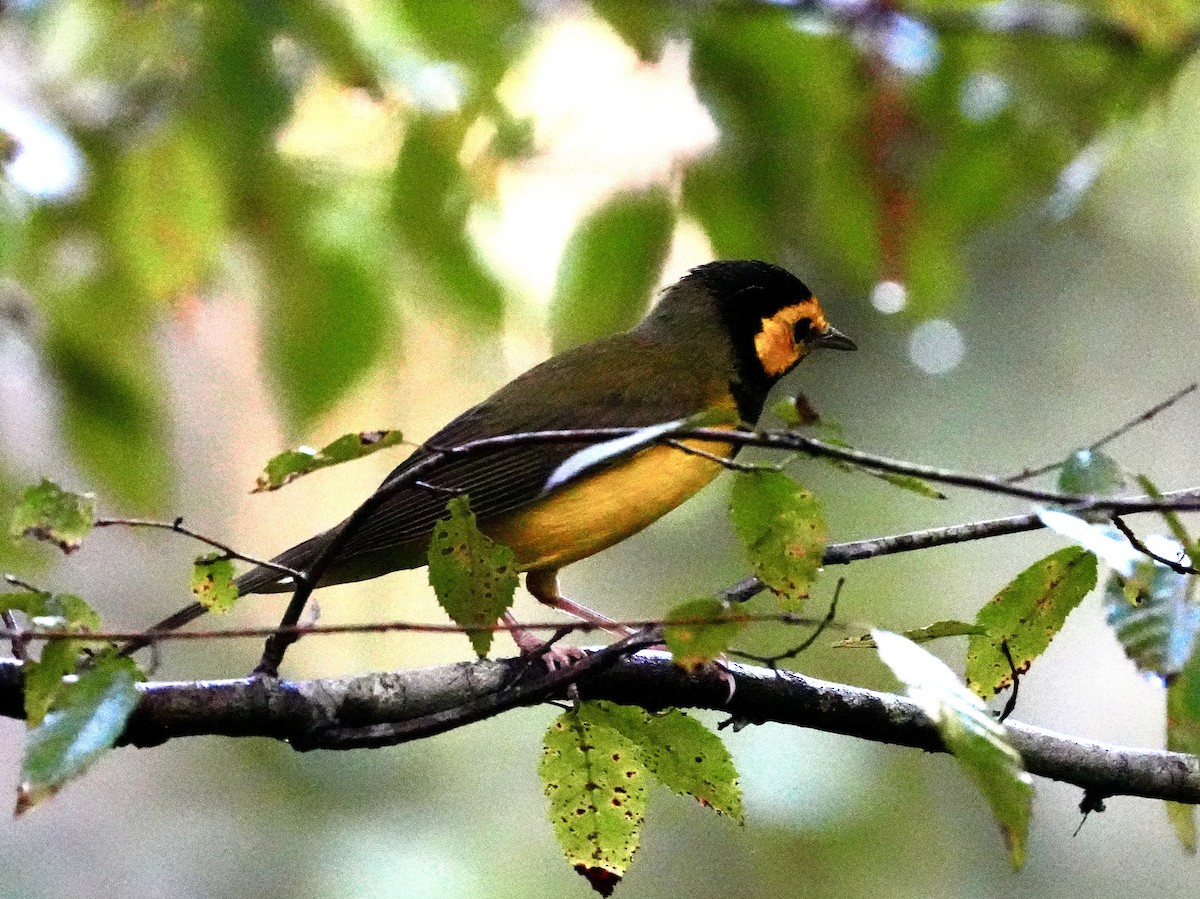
<point x="226" y="229"/>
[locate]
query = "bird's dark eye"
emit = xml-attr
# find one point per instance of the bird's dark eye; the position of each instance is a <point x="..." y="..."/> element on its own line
<point x="802" y="331"/>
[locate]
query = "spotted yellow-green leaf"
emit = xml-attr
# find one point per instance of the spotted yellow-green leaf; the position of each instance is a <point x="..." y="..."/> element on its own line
<point x="212" y="582"/>
<point x="681" y="753"/>
<point x="47" y="512"/>
<point x="1090" y="473"/>
<point x="706" y="628"/>
<point x="1152" y="613"/>
<point x="596" y="782"/>
<point x="291" y="464"/>
<point x="474" y="576"/>
<point x="782" y="530"/>
<point x="83" y="725"/>
<point x="935" y="631"/>
<point x="1025" y="616"/>
<point x="978" y="742"/>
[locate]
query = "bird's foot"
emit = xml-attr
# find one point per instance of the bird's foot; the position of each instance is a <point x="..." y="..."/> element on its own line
<point x="552" y="655"/>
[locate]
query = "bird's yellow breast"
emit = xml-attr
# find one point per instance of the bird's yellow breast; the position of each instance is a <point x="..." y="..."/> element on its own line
<point x="603" y="509"/>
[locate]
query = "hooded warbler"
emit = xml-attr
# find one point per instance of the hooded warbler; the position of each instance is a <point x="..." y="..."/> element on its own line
<point x="719" y="338"/>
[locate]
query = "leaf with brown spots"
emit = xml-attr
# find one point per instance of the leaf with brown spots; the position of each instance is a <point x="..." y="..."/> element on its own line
<point x="474" y="576"/>
<point x="284" y="468"/>
<point x="782" y="530"/>
<point x="1025" y="616"/>
<point x="212" y="583"/>
<point x="47" y="512"/>
<point x="682" y="754"/>
<point x="707" y="633"/>
<point x="596" y="782"/>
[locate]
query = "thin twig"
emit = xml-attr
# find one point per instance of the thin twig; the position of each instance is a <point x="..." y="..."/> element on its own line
<point x="790" y="440"/>
<point x="18" y="641"/>
<point x="24" y="585"/>
<point x="773" y="661"/>
<point x="1112" y="435"/>
<point x="558" y="629"/>
<point x="1136" y="543"/>
<point x="731" y="464"/>
<point x="1010" y="704"/>
<point x="835" y="554"/>
<point x="177" y="527"/>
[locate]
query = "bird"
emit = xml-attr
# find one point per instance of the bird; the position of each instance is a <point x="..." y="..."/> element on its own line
<point x="718" y="339"/>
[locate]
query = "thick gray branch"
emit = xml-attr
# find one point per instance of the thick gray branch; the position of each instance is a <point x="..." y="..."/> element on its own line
<point x="322" y="713"/>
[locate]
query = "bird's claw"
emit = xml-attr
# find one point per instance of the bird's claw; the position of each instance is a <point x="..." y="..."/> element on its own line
<point x="552" y="655"/>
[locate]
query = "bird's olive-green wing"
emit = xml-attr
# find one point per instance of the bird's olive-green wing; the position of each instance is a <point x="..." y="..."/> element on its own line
<point x="595" y="386"/>
<point x="618" y="382"/>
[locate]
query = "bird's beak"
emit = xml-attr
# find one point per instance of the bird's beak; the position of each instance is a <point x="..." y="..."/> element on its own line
<point x="833" y="339"/>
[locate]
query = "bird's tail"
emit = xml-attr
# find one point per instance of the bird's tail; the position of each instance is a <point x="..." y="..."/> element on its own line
<point x="260" y="579"/>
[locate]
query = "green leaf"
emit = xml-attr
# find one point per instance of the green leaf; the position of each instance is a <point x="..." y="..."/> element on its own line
<point x="707" y="637"/>
<point x="100" y="338"/>
<point x="474" y="577"/>
<point x="431" y="199"/>
<point x="327" y="30"/>
<point x="1170" y="516"/>
<point x="644" y="26"/>
<point x="782" y="531"/>
<point x="481" y="38"/>
<point x="1026" y="615"/>
<point x="171" y="221"/>
<point x="83" y="726"/>
<point x="53" y="610"/>
<point x="725" y="198"/>
<point x="284" y="468"/>
<point x="1183" y="735"/>
<point x="796" y="411"/>
<point x="327" y="320"/>
<point x="935" y="631"/>
<point x="47" y="512"/>
<point x="911" y="483"/>
<point x="1151" y="613"/>
<point x="1090" y="473"/>
<point x="979" y="742"/>
<point x="681" y="753"/>
<point x="44" y="676"/>
<point x="112" y="397"/>
<point x="610" y="266"/>
<point x="212" y="582"/>
<point x="17" y="555"/>
<point x="596" y="782"/>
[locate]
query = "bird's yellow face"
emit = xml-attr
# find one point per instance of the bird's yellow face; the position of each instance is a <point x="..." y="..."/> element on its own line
<point x="787" y="336"/>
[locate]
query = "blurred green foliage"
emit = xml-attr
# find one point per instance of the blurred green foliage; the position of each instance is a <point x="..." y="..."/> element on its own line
<point x="866" y="143"/>
<point x="859" y="142"/>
